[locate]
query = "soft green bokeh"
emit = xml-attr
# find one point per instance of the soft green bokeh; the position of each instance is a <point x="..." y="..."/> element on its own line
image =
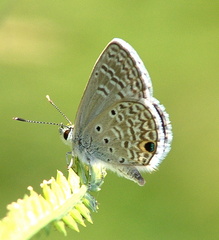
<point x="50" y="47"/>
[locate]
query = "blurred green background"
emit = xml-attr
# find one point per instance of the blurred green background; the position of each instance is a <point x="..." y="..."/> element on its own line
<point x="50" y="47"/>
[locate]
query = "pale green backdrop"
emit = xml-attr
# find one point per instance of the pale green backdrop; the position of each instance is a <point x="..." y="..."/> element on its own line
<point x="50" y="47"/>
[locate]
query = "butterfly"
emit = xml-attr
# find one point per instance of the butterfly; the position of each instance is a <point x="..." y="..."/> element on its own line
<point x="119" y="125"/>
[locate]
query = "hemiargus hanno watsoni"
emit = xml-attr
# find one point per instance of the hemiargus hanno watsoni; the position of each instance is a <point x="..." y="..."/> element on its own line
<point x="119" y="124"/>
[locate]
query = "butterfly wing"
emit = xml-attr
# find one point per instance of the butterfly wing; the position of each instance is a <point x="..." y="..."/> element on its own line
<point x="118" y="73"/>
<point x="119" y="123"/>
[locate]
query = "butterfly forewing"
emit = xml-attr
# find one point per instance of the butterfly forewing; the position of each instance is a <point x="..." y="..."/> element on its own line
<point x="118" y="73"/>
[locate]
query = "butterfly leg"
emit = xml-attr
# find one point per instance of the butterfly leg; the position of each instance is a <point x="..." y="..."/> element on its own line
<point x="96" y="177"/>
<point x="69" y="159"/>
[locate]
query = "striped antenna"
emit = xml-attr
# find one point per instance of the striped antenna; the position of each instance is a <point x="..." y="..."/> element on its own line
<point x="56" y="107"/>
<point x="40" y="122"/>
<point x="49" y="123"/>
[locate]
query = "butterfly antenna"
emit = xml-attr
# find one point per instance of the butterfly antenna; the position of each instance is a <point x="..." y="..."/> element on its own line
<point x="40" y="122"/>
<point x="56" y="107"/>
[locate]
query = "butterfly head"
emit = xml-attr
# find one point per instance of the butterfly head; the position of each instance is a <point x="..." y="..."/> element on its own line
<point x="66" y="133"/>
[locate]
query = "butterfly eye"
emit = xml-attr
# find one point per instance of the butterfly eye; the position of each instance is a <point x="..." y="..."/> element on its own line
<point x="65" y="134"/>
